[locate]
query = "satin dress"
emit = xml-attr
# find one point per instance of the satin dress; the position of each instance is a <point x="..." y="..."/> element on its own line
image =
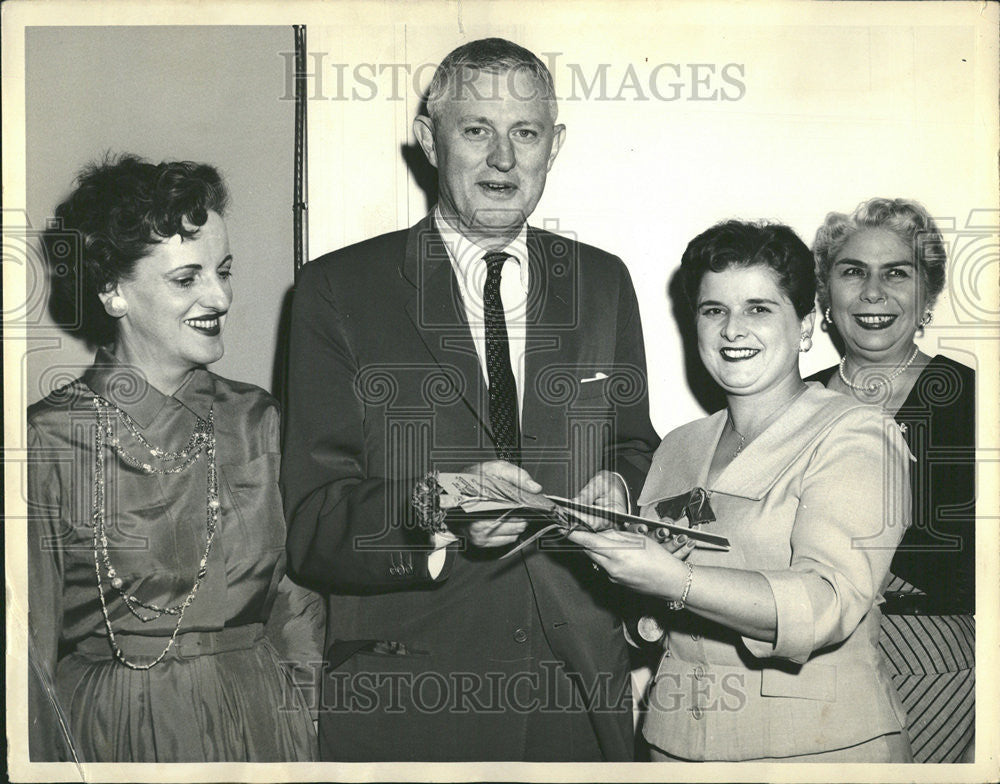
<point x="227" y="690"/>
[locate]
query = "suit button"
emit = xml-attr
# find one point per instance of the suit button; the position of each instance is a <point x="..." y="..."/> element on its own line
<point x="699" y="672"/>
<point x="696" y="713"/>
<point x="520" y="635"/>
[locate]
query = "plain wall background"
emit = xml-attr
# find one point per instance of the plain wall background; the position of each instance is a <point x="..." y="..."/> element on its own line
<point x="211" y="94"/>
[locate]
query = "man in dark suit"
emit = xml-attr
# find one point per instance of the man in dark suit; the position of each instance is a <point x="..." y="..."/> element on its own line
<point x="469" y="342"/>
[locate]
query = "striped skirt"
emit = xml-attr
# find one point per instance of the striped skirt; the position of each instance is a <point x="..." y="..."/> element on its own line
<point x="933" y="666"/>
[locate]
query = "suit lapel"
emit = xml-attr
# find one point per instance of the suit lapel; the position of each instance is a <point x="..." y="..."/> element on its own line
<point x="435" y="308"/>
<point x="549" y="339"/>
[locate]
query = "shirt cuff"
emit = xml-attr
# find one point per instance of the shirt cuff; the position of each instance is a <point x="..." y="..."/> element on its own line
<point x="437" y="557"/>
<point x="795" y="634"/>
<point x="628" y="495"/>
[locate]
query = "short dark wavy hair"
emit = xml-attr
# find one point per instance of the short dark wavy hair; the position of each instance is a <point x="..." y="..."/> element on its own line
<point x="736" y="243"/>
<point x="121" y="207"/>
<point x="905" y="218"/>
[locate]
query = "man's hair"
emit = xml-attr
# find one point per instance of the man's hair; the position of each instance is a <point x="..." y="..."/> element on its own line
<point x="488" y="55"/>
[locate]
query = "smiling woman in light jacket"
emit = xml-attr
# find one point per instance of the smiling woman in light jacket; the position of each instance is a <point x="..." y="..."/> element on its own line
<point x="771" y="652"/>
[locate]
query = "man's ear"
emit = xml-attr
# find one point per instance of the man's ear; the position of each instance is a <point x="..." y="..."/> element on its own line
<point x="423" y="129"/>
<point x="558" y="137"/>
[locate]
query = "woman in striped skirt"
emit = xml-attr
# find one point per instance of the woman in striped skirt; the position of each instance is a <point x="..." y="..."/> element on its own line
<point x="879" y="273"/>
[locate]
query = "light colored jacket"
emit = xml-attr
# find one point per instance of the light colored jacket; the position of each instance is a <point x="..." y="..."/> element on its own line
<point x="817" y="504"/>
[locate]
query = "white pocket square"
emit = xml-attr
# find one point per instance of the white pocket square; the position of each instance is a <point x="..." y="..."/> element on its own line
<point x="596" y="377"/>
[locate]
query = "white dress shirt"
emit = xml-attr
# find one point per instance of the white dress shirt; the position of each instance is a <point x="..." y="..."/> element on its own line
<point x="470" y="269"/>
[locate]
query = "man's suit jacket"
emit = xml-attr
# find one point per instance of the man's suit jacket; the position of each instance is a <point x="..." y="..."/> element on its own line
<point x="385" y="385"/>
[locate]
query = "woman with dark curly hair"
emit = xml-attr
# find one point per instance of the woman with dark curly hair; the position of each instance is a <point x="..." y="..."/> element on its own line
<point x="155" y="534"/>
<point x="880" y="271"/>
<point x="770" y="646"/>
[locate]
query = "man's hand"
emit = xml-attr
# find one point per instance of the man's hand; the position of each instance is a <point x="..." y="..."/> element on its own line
<point x="517" y="483"/>
<point x="607" y="491"/>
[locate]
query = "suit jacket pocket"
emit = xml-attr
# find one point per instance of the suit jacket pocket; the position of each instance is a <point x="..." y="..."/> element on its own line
<point x="813" y="681"/>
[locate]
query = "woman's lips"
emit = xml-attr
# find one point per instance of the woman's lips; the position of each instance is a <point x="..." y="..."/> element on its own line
<point x="206" y="326"/>
<point x="875" y="321"/>
<point x="738" y="354"/>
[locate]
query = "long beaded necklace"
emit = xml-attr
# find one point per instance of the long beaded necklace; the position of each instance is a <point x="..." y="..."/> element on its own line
<point x="202" y="440"/>
<point x="873" y="386"/>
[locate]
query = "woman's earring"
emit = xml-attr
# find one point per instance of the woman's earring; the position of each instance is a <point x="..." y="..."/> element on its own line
<point x="928" y="316"/>
<point x="805" y="342"/>
<point x="116" y="306"/>
<point x="826" y="320"/>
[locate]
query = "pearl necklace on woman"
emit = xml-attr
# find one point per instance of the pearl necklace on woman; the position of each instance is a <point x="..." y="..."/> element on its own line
<point x="202" y="440"/>
<point x="873" y="386"/>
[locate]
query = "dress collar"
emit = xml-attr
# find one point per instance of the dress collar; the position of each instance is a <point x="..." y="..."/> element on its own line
<point x="755" y="470"/>
<point x="126" y="387"/>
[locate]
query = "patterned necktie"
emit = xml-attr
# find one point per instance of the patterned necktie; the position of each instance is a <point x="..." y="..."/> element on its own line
<point x="503" y="390"/>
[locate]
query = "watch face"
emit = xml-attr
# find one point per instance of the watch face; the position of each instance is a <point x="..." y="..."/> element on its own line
<point x="650" y="629"/>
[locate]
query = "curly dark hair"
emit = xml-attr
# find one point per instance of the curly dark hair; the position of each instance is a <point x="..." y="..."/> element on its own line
<point x="736" y="243"/>
<point x="121" y="207"/>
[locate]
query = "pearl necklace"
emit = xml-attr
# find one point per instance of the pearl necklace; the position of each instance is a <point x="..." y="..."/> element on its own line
<point x="202" y="440"/>
<point x="873" y="386"/>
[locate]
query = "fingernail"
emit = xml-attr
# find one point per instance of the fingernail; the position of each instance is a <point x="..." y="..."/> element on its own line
<point x="681" y="539"/>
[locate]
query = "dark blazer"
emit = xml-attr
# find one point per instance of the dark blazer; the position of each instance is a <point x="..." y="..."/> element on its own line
<point x="385" y="384"/>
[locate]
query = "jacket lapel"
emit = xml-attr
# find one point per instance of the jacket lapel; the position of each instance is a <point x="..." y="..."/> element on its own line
<point x="549" y="337"/>
<point x="438" y="315"/>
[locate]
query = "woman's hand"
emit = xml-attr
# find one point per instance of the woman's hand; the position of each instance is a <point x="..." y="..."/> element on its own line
<point x="637" y="562"/>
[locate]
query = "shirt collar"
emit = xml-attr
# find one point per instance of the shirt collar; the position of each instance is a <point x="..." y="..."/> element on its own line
<point x="126" y="387"/>
<point x="465" y="253"/>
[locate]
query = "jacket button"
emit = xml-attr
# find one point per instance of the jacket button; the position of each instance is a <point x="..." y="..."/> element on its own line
<point x="520" y="635"/>
<point x="696" y="713"/>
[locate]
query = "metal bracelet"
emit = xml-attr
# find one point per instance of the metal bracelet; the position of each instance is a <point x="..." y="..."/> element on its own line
<point x="678" y="604"/>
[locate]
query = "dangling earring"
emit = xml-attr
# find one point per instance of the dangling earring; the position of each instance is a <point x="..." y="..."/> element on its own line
<point x="805" y="342"/>
<point x="928" y="316"/>
<point x="116" y="307"/>
<point x="826" y="320"/>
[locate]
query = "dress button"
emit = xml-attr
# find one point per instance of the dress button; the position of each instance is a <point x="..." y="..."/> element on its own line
<point x="520" y="635"/>
<point x="696" y="713"/>
<point x="699" y="672"/>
